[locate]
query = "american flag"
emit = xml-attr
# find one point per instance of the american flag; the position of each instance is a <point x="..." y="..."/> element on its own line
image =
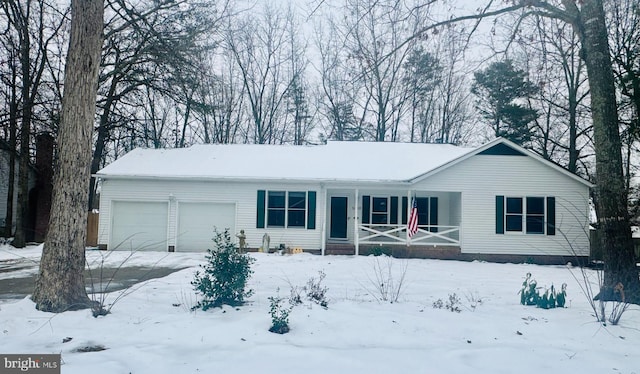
<point x="412" y="224"/>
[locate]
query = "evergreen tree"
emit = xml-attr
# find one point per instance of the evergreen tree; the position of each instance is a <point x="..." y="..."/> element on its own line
<point x="501" y="88"/>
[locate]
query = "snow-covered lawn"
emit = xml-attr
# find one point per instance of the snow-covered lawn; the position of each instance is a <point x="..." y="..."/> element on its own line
<point x="152" y="330"/>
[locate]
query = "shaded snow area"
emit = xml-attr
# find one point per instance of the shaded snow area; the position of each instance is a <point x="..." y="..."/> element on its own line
<point x="153" y="330"/>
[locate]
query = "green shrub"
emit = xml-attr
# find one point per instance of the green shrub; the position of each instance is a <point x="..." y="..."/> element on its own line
<point x="381" y="251"/>
<point x="223" y="280"/>
<point x="279" y="316"/>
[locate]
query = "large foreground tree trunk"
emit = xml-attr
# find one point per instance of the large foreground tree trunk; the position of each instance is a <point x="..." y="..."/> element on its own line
<point x="613" y="219"/>
<point x="60" y="283"/>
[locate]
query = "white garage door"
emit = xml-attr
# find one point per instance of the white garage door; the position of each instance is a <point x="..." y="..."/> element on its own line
<point x="139" y="226"/>
<point x="196" y="222"/>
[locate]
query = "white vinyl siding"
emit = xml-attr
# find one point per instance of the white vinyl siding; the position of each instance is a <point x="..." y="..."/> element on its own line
<point x="242" y="194"/>
<point x="514" y="176"/>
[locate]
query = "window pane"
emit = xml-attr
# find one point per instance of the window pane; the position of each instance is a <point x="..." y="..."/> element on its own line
<point x="535" y="205"/>
<point x="276" y="199"/>
<point x="379" y="218"/>
<point x="379" y="204"/>
<point x="535" y="225"/>
<point x="275" y="218"/>
<point x="296" y="218"/>
<point x="514" y="223"/>
<point x="514" y="205"/>
<point x="297" y="200"/>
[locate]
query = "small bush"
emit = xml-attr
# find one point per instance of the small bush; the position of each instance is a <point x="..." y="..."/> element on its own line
<point x="381" y="251"/>
<point x="387" y="283"/>
<point x="474" y="300"/>
<point x="279" y="316"/>
<point x="316" y="292"/>
<point x="452" y="305"/>
<point x="225" y="275"/>
<point x="295" y="297"/>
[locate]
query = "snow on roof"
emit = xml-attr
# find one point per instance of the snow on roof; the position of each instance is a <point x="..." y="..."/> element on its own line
<point x="340" y="161"/>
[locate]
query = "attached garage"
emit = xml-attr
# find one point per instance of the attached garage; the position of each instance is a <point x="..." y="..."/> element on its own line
<point x="139" y="226"/>
<point x="196" y="223"/>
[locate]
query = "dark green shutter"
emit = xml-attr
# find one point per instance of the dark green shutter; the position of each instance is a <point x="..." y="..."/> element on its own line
<point x="551" y="215"/>
<point x="260" y="209"/>
<point x="365" y="209"/>
<point x="311" y="210"/>
<point x="405" y="205"/>
<point x="499" y="214"/>
<point x="394" y="210"/>
<point x="433" y="213"/>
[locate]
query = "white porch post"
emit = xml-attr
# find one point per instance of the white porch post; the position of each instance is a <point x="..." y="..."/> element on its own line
<point x="323" y="241"/>
<point x="356" y="224"/>
<point x="409" y="207"/>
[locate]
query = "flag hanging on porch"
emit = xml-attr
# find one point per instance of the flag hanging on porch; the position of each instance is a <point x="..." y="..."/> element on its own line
<point x="412" y="224"/>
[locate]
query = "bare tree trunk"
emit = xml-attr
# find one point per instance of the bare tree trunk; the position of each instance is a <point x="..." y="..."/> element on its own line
<point x="613" y="219"/>
<point x="20" y="239"/>
<point x="60" y="283"/>
<point x="13" y="124"/>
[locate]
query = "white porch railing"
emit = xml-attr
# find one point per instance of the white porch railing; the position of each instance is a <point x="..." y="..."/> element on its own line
<point x="397" y="234"/>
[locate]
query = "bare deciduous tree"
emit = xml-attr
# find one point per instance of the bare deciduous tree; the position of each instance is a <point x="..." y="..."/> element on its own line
<point x="60" y="281"/>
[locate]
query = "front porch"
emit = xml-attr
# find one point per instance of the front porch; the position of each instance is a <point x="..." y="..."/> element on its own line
<point x="361" y="222"/>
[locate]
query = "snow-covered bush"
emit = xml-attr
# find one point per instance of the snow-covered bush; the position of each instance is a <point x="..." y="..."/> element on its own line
<point x="224" y="276"/>
<point x="316" y="292"/>
<point x="452" y="305"/>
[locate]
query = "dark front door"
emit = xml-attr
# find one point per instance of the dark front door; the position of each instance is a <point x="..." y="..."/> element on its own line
<point x="338" y="229"/>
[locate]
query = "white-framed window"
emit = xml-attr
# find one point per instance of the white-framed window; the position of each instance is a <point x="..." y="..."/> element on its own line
<point x="379" y="210"/>
<point x="528" y="214"/>
<point x="288" y="209"/>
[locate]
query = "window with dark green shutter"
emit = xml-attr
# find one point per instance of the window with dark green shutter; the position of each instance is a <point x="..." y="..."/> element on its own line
<point x="405" y="207"/>
<point x="499" y="214"/>
<point x="311" y="210"/>
<point x="551" y="215"/>
<point x="393" y="218"/>
<point x="286" y="209"/>
<point x="366" y="211"/>
<point x="260" y="209"/>
<point x="530" y="215"/>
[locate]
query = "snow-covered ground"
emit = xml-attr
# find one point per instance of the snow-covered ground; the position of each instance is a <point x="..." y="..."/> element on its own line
<point x="152" y="330"/>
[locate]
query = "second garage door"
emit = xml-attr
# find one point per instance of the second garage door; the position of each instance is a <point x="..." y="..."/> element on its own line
<point x="196" y="222"/>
